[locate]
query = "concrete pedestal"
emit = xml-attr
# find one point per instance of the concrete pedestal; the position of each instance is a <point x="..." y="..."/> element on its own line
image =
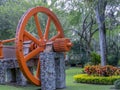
<point x="52" y="71"/>
<point x="10" y="72"/>
<point x="60" y="70"/>
<point x="2" y="73"/>
<point x="20" y="79"/>
<point x="48" y="75"/>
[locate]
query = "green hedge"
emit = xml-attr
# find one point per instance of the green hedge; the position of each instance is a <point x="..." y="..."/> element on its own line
<point x="84" y="78"/>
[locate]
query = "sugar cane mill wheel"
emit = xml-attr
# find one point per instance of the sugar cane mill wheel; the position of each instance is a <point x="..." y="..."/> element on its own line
<point x="36" y="43"/>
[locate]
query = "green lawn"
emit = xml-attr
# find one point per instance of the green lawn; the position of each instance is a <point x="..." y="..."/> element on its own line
<point x="71" y="85"/>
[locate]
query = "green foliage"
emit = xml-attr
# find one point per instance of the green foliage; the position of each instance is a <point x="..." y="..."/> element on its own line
<point x="77" y="59"/>
<point x="73" y="15"/>
<point x="10" y="14"/>
<point x="76" y="47"/>
<point x="113" y="49"/>
<point x="74" y="60"/>
<point x="75" y="63"/>
<point x="95" y="58"/>
<point x="102" y="70"/>
<point x="112" y="60"/>
<point x="84" y="78"/>
<point x="117" y="84"/>
<point x="78" y="54"/>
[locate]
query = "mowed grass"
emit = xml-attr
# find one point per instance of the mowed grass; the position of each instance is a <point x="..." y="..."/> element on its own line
<point x="70" y="84"/>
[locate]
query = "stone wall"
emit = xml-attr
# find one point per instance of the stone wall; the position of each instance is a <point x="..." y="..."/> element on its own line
<point x="52" y="71"/>
<point x="10" y="72"/>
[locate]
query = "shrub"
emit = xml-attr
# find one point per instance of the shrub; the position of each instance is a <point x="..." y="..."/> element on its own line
<point x="117" y="84"/>
<point x="112" y="59"/>
<point x="74" y="63"/>
<point x="88" y="64"/>
<point x="95" y="58"/>
<point x="84" y="78"/>
<point x="98" y="70"/>
<point x="117" y="72"/>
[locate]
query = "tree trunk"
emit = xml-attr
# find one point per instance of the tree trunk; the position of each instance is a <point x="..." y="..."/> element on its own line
<point x="100" y="17"/>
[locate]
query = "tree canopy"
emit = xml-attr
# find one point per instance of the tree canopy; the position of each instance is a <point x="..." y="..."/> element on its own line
<point x="92" y="25"/>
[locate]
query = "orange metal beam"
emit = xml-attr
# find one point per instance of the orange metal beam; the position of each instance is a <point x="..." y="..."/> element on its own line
<point x="1" y="51"/>
<point x="1" y="46"/>
<point x="8" y="40"/>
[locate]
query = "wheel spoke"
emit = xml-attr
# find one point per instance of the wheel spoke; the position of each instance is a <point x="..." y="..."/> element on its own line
<point x="39" y="30"/>
<point x="32" y="37"/>
<point x="32" y="54"/>
<point x="47" y="28"/>
<point x="38" y="69"/>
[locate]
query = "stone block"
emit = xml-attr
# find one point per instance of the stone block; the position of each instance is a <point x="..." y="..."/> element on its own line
<point x="60" y="70"/>
<point x="48" y="75"/>
<point x="20" y="79"/>
<point x="10" y="72"/>
<point x="2" y="73"/>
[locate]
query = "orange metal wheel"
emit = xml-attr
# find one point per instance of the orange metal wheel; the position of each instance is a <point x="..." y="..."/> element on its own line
<point x="25" y="39"/>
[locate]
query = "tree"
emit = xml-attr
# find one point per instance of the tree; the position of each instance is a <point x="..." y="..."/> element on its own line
<point x="80" y="20"/>
<point x="2" y="2"/>
<point x="100" y="17"/>
<point x="100" y="10"/>
<point x="74" y="15"/>
<point x="10" y="14"/>
<point x="99" y="6"/>
<point x="79" y="24"/>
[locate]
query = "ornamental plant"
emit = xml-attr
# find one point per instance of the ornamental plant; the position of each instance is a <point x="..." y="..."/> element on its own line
<point x="95" y="58"/>
<point x="117" y="84"/>
<point x="117" y="72"/>
<point x="84" y="78"/>
<point x="98" y="70"/>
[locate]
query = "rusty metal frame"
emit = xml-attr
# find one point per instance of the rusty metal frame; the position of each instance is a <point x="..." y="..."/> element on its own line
<point x="2" y="42"/>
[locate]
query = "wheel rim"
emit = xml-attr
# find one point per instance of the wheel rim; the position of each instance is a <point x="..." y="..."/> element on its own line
<point x="22" y="35"/>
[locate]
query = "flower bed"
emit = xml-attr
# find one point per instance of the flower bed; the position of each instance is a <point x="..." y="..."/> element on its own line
<point x="97" y="74"/>
<point x="98" y="70"/>
<point x="91" y="79"/>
